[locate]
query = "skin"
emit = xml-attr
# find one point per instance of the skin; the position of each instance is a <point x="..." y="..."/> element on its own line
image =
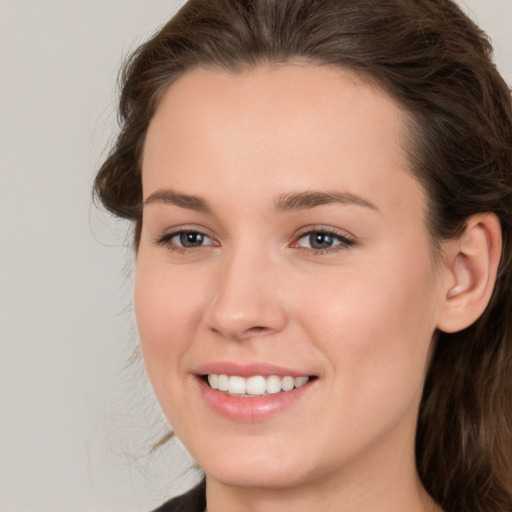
<point x="361" y="316"/>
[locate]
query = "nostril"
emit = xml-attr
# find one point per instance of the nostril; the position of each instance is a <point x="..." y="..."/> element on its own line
<point x="250" y="332"/>
<point x="256" y="330"/>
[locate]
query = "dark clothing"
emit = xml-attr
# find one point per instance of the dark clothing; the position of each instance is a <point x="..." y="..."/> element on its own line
<point x="192" y="501"/>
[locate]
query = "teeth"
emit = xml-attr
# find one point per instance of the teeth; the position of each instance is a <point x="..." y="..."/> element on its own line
<point x="237" y="385"/>
<point x="256" y="385"/>
<point x="222" y="383"/>
<point x="274" y="384"/>
<point x="213" y="380"/>
<point x="300" y="381"/>
<point x="288" y="383"/>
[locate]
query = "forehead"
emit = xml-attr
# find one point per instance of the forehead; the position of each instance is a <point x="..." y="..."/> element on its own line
<point x="286" y="98"/>
<point x="306" y="125"/>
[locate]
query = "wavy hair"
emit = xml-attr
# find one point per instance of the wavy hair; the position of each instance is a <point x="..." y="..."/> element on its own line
<point x="438" y="65"/>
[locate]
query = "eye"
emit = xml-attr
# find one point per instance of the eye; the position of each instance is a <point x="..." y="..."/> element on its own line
<point x="185" y="239"/>
<point x="323" y="241"/>
<point x="190" y="239"/>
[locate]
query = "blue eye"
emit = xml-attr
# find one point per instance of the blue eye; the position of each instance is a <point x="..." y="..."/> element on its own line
<point x="189" y="239"/>
<point x="323" y="240"/>
<point x="185" y="240"/>
<point x="320" y="240"/>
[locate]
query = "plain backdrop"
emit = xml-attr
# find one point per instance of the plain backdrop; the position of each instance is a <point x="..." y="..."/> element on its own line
<point x="76" y="416"/>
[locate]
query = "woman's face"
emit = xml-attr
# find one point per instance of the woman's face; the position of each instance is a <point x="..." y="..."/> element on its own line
<point x="284" y="236"/>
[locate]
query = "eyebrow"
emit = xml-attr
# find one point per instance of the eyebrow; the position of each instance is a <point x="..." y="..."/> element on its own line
<point x="311" y="199"/>
<point x="171" y="197"/>
<point x="294" y="201"/>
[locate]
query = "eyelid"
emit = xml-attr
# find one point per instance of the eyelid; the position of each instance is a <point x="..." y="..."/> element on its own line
<point x="322" y="228"/>
<point x="165" y="239"/>
<point x="346" y="239"/>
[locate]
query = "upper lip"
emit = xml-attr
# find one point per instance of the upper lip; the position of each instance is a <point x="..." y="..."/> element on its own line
<point x="248" y="370"/>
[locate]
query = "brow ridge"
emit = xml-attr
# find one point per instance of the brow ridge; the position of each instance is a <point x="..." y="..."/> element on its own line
<point x="310" y="199"/>
<point x="293" y="201"/>
<point x="171" y="197"/>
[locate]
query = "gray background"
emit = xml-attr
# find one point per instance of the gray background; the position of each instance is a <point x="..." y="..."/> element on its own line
<point x="75" y="418"/>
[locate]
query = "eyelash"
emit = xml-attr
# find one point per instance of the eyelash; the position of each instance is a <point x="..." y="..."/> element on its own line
<point x="165" y="240"/>
<point x="344" y="241"/>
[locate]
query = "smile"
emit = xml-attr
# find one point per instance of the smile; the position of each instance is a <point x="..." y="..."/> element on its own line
<point x="253" y="392"/>
<point x="257" y="385"/>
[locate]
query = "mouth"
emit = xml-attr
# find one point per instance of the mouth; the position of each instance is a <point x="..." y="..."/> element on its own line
<point x="255" y="385"/>
<point x="253" y="392"/>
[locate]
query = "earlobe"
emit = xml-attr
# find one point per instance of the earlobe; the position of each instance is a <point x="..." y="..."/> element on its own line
<point x="472" y="265"/>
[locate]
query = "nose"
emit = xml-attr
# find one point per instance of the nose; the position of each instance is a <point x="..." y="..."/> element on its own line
<point x="246" y="299"/>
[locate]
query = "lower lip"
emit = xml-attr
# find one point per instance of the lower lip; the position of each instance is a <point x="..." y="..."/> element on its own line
<point x="251" y="409"/>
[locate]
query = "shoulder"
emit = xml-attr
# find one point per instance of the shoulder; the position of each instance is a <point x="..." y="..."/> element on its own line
<point x="192" y="501"/>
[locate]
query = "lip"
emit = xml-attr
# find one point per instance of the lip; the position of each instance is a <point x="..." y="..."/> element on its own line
<point x="250" y="409"/>
<point x="248" y="370"/>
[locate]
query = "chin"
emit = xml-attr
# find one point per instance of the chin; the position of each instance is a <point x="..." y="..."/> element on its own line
<point x="245" y="469"/>
<point x="250" y="477"/>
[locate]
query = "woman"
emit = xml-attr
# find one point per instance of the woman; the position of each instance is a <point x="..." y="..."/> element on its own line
<point x="322" y="202"/>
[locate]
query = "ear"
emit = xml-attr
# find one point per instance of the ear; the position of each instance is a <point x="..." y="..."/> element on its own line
<point x="472" y="264"/>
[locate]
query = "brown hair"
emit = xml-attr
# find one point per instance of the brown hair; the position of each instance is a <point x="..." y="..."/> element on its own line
<point x="437" y="64"/>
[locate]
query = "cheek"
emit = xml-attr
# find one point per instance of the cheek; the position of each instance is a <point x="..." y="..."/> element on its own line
<point x="376" y="340"/>
<point x="375" y="326"/>
<point x="168" y="310"/>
